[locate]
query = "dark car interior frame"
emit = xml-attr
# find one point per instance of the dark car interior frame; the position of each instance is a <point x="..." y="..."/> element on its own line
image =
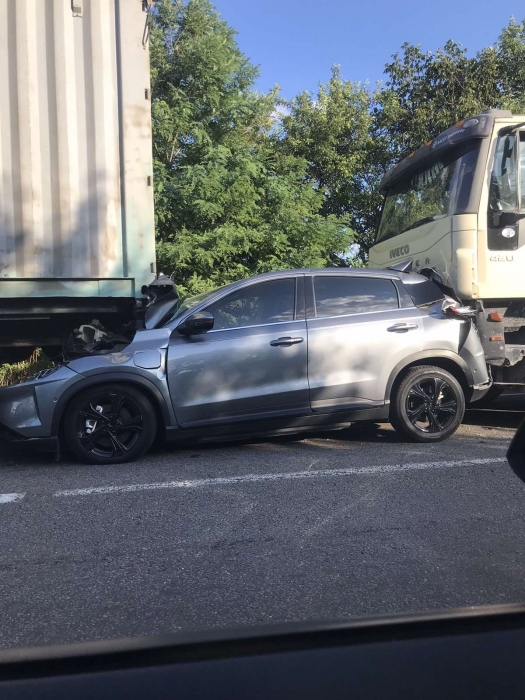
<point x="464" y="653"/>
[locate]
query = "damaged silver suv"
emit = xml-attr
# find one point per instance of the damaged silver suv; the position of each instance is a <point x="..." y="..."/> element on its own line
<point x="283" y="352"/>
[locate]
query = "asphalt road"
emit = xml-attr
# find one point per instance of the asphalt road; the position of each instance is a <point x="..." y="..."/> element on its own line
<point x="336" y="525"/>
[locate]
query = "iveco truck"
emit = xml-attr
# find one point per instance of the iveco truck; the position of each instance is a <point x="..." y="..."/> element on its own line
<point x="77" y="237"/>
<point x="456" y="208"/>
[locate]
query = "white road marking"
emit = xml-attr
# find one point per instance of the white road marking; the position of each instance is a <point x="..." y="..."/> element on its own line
<point x="250" y="478"/>
<point x="11" y="497"/>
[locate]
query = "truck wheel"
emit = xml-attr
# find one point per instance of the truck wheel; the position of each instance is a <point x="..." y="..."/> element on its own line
<point x="109" y="424"/>
<point x="428" y="405"/>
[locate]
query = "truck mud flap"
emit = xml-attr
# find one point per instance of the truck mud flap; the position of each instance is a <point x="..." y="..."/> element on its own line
<point x="492" y="335"/>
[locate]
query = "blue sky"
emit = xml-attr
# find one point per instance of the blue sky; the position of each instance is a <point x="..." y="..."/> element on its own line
<point x="296" y="41"/>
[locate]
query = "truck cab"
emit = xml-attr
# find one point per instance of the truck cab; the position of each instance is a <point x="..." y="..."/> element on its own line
<point x="456" y="208"/>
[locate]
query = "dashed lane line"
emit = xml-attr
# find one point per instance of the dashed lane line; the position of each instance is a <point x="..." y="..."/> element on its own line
<point x="11" y="497"/>
<point x="280" y="476"/>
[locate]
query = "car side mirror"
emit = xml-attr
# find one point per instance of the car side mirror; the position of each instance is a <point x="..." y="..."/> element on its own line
<point x="199" y="322"/>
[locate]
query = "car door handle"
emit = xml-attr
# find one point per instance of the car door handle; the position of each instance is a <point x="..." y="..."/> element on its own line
<point x="286" y="342"/>
<point x="402" y="327"/>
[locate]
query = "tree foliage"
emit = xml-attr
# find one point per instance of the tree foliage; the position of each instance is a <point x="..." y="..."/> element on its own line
<point x="427" y="92"/>
<point x="243" y="186"/>
<point x="351" y="135"/>
<point x="229" y="202"/>
<point x="334" y="133"/>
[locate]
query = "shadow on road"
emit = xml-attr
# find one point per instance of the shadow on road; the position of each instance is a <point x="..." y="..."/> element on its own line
<point x="506" y="412"/>
<point x="493" y="419"/>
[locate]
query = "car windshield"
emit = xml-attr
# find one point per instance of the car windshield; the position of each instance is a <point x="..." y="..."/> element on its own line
<point x="185" y="303"/>
<point x="439" y="188"/>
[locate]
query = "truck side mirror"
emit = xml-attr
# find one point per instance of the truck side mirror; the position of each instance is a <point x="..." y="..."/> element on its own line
<point x="199" y="322"/>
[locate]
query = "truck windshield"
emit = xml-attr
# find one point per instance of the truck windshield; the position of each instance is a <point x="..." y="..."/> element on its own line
<point x="439" y="188"/>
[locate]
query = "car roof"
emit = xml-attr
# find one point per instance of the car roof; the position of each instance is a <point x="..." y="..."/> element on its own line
<point x="408" y="278"/>
<point x="332" y="271"/>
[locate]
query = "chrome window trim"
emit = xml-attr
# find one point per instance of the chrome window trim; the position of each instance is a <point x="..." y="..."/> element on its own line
<point x="366" y="313"/>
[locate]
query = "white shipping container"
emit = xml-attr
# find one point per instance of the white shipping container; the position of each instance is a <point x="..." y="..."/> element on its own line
<point x="76" y="194"/>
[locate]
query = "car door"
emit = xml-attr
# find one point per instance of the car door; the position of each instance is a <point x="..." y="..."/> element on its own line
<point x="252" y="365"/>
<point x="357" y="332"/>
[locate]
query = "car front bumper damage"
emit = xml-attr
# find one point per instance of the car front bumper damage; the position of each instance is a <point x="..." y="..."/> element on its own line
<point x="26" y="410"/>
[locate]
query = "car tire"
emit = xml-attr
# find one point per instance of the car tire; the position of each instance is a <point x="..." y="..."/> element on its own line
<point x="421" y="415"/>
<point x="109" y="424"/>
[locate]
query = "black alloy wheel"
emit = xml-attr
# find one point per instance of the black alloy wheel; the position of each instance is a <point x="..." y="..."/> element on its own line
<point x="110" y="424"/>
<point x="428" y="404"/>
<point x="431" y="405"/>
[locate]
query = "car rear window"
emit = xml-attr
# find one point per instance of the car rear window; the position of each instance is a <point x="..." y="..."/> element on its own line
<point x="424" y="293"/>
<point x="341" y="295"/>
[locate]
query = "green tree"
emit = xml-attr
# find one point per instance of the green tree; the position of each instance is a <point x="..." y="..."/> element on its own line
<point x="425" y="93"/>
<point x="350" y="135"/>
<point x="334" y="132"/>
<point x="229" y="203"/>
<point x="510" y="57"/>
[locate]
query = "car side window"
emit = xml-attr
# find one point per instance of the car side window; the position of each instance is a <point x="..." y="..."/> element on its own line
<point x="338" y="296"/>
<point x="266" y="302"/>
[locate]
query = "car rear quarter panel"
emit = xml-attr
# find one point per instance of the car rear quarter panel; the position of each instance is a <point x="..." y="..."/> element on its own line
<point x="459" y="337"/>
<point x="447" y="339"/>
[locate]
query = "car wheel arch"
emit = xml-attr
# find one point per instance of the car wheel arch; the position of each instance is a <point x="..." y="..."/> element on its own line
<point x="148" y="389"/>
<point x="446" y="360"/>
